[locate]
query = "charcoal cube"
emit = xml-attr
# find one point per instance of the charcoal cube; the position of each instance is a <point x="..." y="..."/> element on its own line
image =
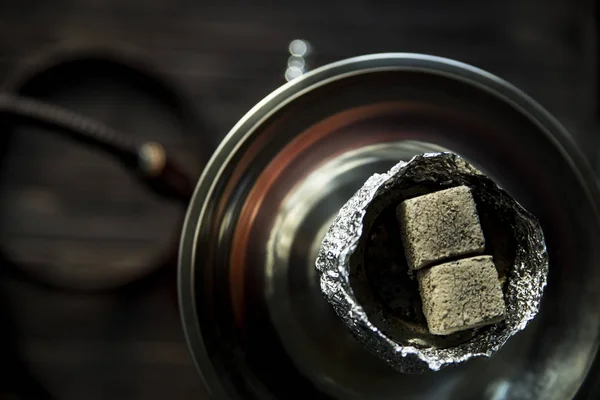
<point x="460" y="295"/>
<point x="439" y="226"/>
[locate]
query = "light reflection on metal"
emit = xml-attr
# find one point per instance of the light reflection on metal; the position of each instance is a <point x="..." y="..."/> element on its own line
<point x="299" y="47"/>
<point x="296" y="64"/>
<point x="500" y="390"/>
<point x="292" y="73"/>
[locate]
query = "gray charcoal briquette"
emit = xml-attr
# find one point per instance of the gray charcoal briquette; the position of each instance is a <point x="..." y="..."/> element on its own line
<point x="460" y="295"/>
<point x="440" y="225"/>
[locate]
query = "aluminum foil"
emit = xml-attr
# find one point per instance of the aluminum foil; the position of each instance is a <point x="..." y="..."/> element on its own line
<point x="342" y="245"/>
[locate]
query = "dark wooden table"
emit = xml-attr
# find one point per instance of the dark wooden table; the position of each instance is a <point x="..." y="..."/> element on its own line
<point x="227" y="55"/>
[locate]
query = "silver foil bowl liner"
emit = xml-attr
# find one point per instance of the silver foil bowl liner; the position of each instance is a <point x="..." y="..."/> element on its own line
<point x="375" y="295"/>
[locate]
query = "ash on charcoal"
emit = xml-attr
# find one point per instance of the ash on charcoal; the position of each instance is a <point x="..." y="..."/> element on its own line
<point x="439" y="226"/>
<point x="461" y="295"/>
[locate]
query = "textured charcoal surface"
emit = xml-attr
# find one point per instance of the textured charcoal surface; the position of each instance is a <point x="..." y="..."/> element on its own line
<point x="439" y="226"/>
<point x="461" y="295"/>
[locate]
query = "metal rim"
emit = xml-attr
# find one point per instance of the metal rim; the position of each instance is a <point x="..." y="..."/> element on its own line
<point x="466" y="73"/>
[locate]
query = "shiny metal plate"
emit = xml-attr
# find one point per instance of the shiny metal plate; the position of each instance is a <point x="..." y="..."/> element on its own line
<point x="256" y="323"/>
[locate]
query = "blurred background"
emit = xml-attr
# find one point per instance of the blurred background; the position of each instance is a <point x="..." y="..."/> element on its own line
<point x="88" y="312"/>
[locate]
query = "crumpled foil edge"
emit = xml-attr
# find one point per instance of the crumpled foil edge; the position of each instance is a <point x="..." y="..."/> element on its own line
<point x="525" y="281"/>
